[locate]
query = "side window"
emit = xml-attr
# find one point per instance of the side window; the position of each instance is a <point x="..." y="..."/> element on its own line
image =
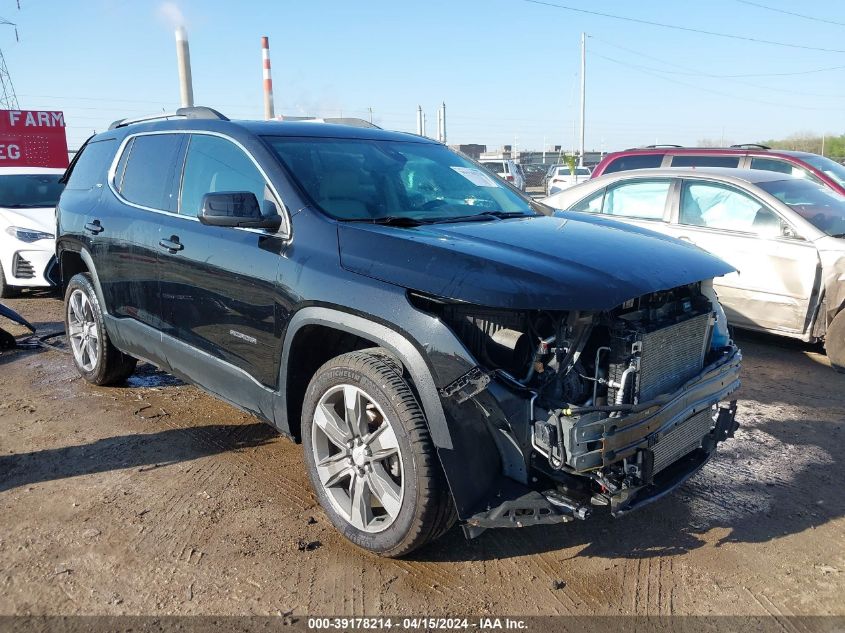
<point x="214" y="164"/>
<point x="705" y="161"/>
<point x="636" y="161"/>
<point x="590" y="204"/>
<point x="151" y="171"/>
<point x="91" y="167"/>
<point x="639" y="199"/>
<point x="717" y="206"/>
<point x="784" y="167"/>
<point x="771" y="164"/>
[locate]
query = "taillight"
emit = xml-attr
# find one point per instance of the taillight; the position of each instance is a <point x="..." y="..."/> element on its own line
<point x="508" y="177"/>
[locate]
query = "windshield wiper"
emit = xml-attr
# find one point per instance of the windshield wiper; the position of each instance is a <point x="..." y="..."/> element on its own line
<point x="480" y="217"/>
<point x="390" y="220"/>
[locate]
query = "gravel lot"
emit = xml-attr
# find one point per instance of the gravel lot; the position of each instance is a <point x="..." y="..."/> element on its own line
<point x="154" y="498"/>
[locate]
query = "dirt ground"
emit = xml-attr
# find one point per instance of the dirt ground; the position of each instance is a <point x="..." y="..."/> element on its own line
<point x="154" y="498"/>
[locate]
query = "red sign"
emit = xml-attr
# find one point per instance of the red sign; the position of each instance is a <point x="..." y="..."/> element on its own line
<point x="32" y="138"/>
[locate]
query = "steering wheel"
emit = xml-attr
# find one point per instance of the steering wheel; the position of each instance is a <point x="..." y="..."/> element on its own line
<point x="433" y="204"/>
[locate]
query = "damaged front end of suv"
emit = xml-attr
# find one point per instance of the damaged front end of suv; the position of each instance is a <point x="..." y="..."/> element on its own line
<point x="594" y="406"/>
<point x="622" y="405"/>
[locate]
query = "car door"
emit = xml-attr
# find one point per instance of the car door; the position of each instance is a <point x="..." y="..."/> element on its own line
<point x="145" y="182"/>
<point x="218" y="283"/>
<point x="776" y="276"/>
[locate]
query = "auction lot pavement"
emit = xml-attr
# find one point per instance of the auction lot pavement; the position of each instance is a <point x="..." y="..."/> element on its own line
<point x="154" y="498"/>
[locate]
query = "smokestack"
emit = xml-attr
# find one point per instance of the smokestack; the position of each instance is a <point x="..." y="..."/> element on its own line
<point x="268" y="81"/>
<point x="183" y="59"/>
<point x="419" y="121"/>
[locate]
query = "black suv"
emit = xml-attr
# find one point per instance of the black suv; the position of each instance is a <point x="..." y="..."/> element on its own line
<point x="443" y="347"/>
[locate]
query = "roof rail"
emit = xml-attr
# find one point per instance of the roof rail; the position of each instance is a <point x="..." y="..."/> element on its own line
<point x="194" y="112"/>
<point x="750" y="146"/>
<point x="336" y="120"/>
<point x="661" y="146"/>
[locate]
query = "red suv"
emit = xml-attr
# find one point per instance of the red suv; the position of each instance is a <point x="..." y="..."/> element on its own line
<point x="803" y="164"/>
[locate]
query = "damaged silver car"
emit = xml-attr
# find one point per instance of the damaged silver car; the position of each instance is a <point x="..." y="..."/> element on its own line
<point x="784" y="235"/>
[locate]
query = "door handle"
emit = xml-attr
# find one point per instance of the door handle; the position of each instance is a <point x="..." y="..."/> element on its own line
<point x="172" y="245"/>
<point x="94" y="227"/>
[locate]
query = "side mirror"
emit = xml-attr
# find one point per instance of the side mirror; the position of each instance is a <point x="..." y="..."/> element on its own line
<point x="786" y="230"/>
<point x="236" y="209"/>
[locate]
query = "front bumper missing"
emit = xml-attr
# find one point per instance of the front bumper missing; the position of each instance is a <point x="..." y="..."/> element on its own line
<point x="609" y="441"/>
<point x="521" y="509"/>
<point x="595" y="441"/>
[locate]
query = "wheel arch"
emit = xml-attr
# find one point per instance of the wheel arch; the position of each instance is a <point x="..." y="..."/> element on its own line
<point x="73" y="261"/>
<point x="336" y="332"/>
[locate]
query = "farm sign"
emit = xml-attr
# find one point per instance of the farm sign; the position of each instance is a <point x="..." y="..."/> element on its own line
<point x="32" y="138"/>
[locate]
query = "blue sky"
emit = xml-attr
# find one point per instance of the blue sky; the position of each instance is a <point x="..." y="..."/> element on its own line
<point x="507" y="69"/>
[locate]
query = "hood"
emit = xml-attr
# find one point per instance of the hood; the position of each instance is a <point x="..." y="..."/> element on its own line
<point x="43" y="219"/>
<point x="564" y="262"/>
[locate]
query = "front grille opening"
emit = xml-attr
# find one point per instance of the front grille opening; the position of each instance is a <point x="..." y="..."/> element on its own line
<point x="22" y="268"/>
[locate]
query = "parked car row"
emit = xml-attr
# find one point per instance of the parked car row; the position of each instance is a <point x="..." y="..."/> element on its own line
<point x="444" y="347"/>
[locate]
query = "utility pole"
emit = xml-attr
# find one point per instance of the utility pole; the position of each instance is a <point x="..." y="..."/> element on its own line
<point x="8" y="98"/>
<point x="371" y="113"/>
<point x="583" y="93"/>
<point x="420" y="127"/>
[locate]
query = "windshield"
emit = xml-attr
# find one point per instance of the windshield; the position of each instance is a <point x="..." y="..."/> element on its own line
<point x="372" y="180"/>
<point x="829" y="167"/>
<point x="30" y="191"/>
<point x="822" y="207"/>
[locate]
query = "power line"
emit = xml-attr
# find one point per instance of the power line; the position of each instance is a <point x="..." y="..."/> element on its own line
<point x="698" y="73"/>
<point x="710" y="90"/>
<point x="692" y="73"/>
<point x="792" y="13"/>
<point x="686" y="29"/>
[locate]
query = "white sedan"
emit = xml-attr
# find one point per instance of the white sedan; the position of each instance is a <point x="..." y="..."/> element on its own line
<point x="28" y="197"/>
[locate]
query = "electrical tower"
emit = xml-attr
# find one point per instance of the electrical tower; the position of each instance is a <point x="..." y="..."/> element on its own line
<point x="8" y="98"/>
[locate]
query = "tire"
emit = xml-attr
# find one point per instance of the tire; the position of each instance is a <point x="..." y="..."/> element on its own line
<point x="7" y="291"/>
<point x="404" y="499"/>
<point x="834" y="342"/>
<point x="96" y="359"/>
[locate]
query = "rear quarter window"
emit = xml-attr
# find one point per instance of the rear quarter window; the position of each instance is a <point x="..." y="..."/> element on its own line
<point x="93" y="163"/>
<point x="635" y="161"/>
<point x="705" y="161"/>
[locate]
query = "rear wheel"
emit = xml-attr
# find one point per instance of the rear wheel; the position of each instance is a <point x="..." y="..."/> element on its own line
<point x="7" y="291"/>
<point x="834" y="342"/>
<point x="370" y="457"/>
<point x="97" y="360"/>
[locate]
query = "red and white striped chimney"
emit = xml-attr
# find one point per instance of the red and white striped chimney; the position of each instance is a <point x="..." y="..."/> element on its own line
<point x="268" y="80"/>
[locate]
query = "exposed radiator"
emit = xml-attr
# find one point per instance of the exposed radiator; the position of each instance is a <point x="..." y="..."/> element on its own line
<point x="668" y="356"/>
<point x="681" y="440"/>
<point x="672" y="355"/>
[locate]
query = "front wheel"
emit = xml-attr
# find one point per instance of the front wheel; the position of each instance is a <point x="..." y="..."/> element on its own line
<point x="370" y="458"/>
<point x="97" y="360"/>
<point x="834" y="342"/>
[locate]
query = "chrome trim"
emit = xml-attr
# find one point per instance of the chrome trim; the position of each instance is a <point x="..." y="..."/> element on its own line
<point x="285" y="232"/>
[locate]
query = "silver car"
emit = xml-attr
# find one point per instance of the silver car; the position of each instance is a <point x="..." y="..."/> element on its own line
<point x="785" y="236"/>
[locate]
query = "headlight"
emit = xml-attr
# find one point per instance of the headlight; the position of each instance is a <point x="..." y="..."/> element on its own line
<point x="28" y="235"/>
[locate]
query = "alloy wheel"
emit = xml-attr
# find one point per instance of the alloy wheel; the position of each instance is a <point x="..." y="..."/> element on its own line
<point x="357" y="457"/>
<point x="82" y="331"/>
